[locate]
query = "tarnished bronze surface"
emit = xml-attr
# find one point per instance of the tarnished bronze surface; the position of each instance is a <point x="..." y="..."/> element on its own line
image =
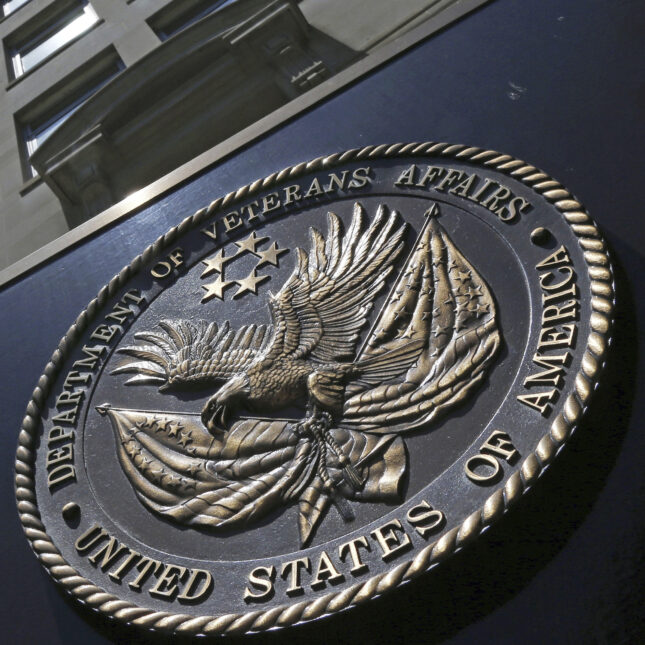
<point x="315" y="388"/>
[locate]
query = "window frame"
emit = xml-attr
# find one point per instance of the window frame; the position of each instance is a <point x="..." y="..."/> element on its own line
<point x="39" y="34"/>
<point x="174" y="18"/>
<point x="5" y="3"/>
<point x="32" y="123"/>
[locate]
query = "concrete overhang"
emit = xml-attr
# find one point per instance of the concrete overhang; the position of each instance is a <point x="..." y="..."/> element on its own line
<point x="196" y="89"/>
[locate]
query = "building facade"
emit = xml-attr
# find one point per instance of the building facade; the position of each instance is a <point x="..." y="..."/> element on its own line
<point x="101" y="97"/>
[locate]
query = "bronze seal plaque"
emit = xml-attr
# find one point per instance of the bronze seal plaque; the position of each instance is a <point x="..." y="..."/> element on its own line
<point x="315" y="389"/>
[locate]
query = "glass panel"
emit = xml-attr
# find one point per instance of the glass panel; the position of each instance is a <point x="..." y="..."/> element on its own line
<point x="11" y="5"/>
<point x="77" y="26"/>
<point x="191" y="16"/>
<point x="39" y="136"/>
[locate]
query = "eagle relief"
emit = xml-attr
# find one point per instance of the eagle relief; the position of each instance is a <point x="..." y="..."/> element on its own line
<point x="376" y="334"/>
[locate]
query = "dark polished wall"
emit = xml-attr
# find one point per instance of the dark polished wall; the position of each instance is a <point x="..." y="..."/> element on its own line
<point x="558" y="83"/>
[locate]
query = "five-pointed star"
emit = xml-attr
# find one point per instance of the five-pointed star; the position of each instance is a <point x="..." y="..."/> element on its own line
<point x="184" y="438"/>
<point x="215" y="289"/>
<point x="193" y="469"/>
<point x="144" y="464"/>
<point x="440" y="331"/>
<point x="174" y="428"/>
<point x="461" y="307"/>
<point x="462" y="276"/>
<point x="474" y="292"/>
<point x="250" y="243"/>
<point x="250" y="283"/>
<point x="161" y="423"/>
<point x="215" y="264"/>
<point x="409" y="333"/>
<point x="462" y="322"/>
<point x="270" y="256"/>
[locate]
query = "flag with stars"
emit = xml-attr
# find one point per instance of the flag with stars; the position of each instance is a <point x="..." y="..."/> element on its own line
<point x="181" y="471"/>
<point x="440" y="300"/>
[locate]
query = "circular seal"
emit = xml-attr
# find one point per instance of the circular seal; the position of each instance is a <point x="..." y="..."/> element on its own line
<point x="314" y="389"/>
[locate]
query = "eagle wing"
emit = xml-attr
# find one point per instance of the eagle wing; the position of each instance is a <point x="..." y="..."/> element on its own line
<point x="185" y="352"/>
<point x="321" y="309"/>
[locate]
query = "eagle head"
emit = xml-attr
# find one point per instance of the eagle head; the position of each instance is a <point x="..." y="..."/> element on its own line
<point x="217" y="411"/>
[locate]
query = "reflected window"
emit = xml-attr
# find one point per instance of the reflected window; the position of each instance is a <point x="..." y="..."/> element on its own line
<point x="179" y="15"/>
<point x="40" y="126"/>
<point x="9" y="6"/>
<point x="52" y="37"/>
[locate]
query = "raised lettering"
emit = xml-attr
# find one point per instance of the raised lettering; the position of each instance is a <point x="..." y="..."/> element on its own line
<point x="270" y="202"/>
<point x="167" y="584"/>
<point x="553" y="373"/>
<point x="291" y="570"/>
<point x="406" y="178"/>
<point x="292" y="194"/>
<point x="539" y="401"/>
<point x="336" y="182"/>
<point x="124" y="567"/>
<point x="360" y="177"/>
<point x="110" y="553"/>
<point x="210" y="231"/>
<point x="261" y="579"/>
<point x="145" y="566"/>
<point x="389" y="541"/>
<point x="557" y="258"/>
<point x="553" y="338"/>
<point x="557" y="314"/>
<point x="425" y="519"/>
<point x="198" y="586"/>
<point x="105" y="333"/>
<point x="90" y="538"/>
<point x="487" y="462"/>
<point x="326" y="572"/>
<point x="232" y="221"/>
<point x="314" y="189"/>
<point x="432" y="173"/>
<point x="500" y="444"/>
<point x="351" y="547"/>
<point x="449" y="179"/>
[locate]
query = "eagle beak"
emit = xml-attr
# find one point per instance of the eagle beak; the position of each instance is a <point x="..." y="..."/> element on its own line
<point x="217" y="412"/>
<point x="214" y="416"/>
<point x="220" y="418"/>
